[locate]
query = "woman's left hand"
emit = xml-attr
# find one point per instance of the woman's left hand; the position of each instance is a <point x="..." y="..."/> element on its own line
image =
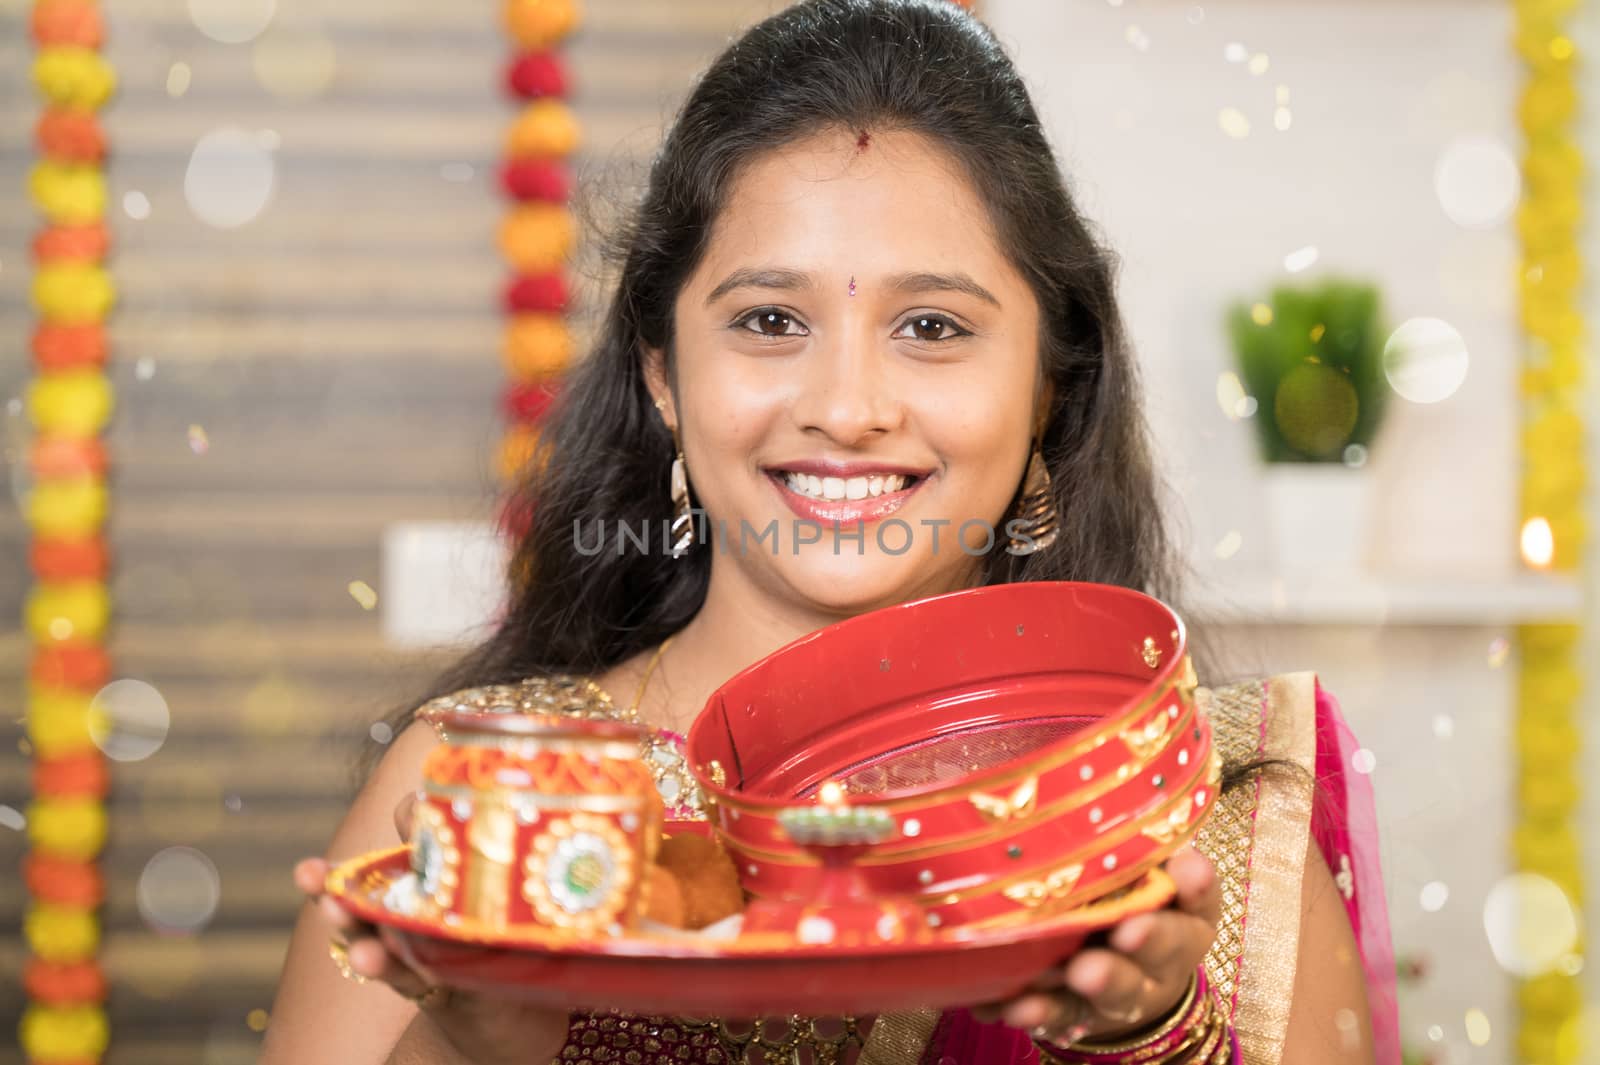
<point x="1138" y="981"/>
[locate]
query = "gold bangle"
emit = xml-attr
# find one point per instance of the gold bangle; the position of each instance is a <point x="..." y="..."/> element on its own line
<point x="339" y="951"/>
<point x="1176" y="1017"/>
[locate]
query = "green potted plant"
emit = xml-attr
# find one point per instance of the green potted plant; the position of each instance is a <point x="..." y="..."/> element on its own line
<point x="1311" y="356"/>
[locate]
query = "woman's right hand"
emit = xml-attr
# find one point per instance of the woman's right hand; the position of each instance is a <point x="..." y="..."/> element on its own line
<point x="481" y="1029"/>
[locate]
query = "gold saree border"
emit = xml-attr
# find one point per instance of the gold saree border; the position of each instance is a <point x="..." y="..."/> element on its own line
<point x="1277" y="865"/>
<point x="899" y="1038"/>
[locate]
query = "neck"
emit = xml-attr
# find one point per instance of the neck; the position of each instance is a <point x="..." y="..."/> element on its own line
<point x="739" y="624"/>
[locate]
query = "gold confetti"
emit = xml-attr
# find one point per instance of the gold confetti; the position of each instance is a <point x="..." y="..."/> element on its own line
<point x="1317" y="332"/>
<point x="1477" y="1028"/>
<point x="1261" y="314"/>
<point x="256" y="1020"/>
<point x="1499" y="651"/>
<point x="178" y="76"/>
<point x="1229" y="545"/>
<point x="198" y="442"/>
<point x="362" y="593"/>
<point x="1233" y="122"/>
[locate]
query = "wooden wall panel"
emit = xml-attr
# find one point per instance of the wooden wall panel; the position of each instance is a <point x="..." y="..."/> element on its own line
<point x="340" y="353"/>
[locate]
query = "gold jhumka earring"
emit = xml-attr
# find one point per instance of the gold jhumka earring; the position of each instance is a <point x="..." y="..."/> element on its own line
<point x="682" y="529"/>
<point x="1036" y="510"/>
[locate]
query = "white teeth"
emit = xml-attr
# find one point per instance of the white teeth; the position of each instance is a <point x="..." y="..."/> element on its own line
<point x="840" y="488"/>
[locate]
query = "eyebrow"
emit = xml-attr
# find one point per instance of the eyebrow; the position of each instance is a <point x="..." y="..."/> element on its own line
<point x="796" y="280"/>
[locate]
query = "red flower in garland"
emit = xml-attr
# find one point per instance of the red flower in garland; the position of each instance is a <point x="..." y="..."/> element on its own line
<point x="63" y="347"/>
<point x="537" y="292"/>
<point x="535" y="179"/>
<point x="536" y="74"/>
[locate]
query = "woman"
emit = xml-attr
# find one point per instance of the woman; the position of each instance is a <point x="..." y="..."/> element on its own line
<point x="856" y="288"/>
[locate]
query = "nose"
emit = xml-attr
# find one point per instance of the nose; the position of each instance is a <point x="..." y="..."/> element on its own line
<point x="846" y="392"/>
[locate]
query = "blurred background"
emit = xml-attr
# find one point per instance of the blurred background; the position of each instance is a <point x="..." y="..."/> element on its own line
<point x="307" y="219"/>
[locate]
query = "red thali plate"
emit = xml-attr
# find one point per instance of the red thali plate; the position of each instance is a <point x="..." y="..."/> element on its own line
<point x="748" y="976"/>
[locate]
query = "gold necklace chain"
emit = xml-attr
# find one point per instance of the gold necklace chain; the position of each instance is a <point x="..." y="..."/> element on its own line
<point x="644" y="682"/>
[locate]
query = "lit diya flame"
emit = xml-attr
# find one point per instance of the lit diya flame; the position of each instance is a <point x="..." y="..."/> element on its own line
<point x="831" y="793"/>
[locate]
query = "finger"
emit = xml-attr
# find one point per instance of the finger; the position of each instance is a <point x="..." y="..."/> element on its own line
<point x="403" y="814"/>
<point x="1199" y="892"/>
<point x="1111" y="984"/>
<point x="1158" y="942"/>
<point x="370" y="959"/>
<point x="310" y="875"/>
<point x="1053" y="1014"/>
<point x="341" y="921"/>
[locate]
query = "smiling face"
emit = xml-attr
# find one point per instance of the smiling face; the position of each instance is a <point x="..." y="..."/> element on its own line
<point x="854" y="348"/>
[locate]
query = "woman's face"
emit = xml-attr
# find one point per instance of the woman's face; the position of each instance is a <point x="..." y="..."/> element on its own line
<point x="854" y="352"/>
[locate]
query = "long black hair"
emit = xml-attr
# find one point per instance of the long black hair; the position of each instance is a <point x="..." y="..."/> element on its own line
<point x="920" y="66"/>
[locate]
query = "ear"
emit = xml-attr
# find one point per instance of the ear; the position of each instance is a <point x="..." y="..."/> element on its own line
<point x="655" y="380"/>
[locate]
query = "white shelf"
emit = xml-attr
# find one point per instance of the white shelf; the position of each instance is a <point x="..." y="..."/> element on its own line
<point x="1366" y="599"/>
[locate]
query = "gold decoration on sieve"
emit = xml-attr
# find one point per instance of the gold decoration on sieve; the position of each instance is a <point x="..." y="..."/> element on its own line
<point x="1057" y="885"/>
<point x="715" y="773"/>
<point x="1145" y="741"/>
<point x="1169" y="828"/>
<point x="1020" y="803"/>
<point x="1150" y="652"/>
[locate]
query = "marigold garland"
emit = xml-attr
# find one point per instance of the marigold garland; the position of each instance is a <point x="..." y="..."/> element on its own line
<point x="69" y="403"/>
<point x="539" y="233"/>
<point x="1553" y="481"/>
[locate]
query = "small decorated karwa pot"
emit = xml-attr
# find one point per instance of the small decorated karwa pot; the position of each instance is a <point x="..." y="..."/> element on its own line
<point x="534" y="821"/>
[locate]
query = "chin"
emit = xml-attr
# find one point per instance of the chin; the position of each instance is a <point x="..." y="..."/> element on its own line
<point x="850" y="584"/>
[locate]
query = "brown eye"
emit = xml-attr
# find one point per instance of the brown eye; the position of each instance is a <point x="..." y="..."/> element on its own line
<point x="770" y="322"/>
<point x="931" y="327"/>
<point x="773" y="323"/>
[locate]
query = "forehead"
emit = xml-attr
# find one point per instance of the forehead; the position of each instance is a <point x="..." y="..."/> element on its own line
<point x="892" y="194"/>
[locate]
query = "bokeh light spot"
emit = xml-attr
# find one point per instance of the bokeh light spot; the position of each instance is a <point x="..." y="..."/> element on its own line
<point x="230" y="177"/>
<point x="12" y="818"/>
<point x="1363" y="761"/>
<point x="1538" y="543"/>
<point x="1300" y="259"/>
<point x="1477" y="1028"/>
<point x="136" y="205"/>
<point x="1477" y="182"/>
<point x="1233" y="122"/>
<point x="1530" y="922"/>
<point x="1435" y="893"/>
<point x="293" y="63"/>
<point x="231" y="21"/>
<point x="362" y="593"/>
<point x="1499" y="651"/>
<point x="129" y="720"/>
<point x="178" y="78"/>
<point x="1229" y="545"/>
<point x="178" y="891"/>
<point x="1425" y="360"/>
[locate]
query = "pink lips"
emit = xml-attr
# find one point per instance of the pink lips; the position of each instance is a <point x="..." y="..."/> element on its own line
<point x="844" y="511"/>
